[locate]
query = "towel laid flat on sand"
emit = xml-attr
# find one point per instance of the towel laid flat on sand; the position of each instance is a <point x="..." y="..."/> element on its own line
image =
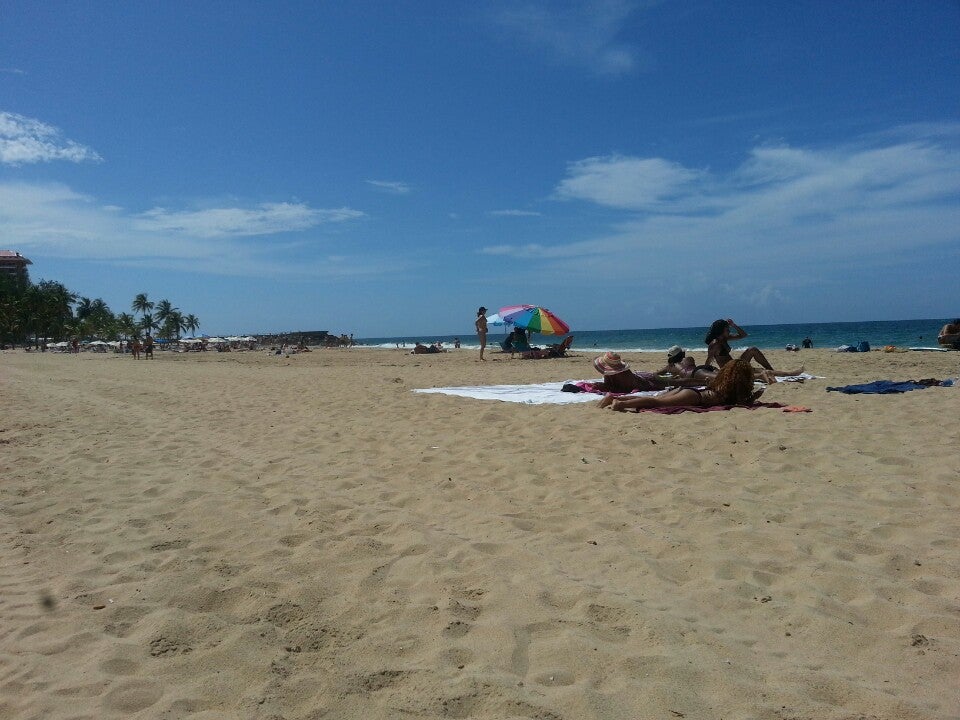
<point x="799" y="378"/>
<point x="541" y="394"/>
<point x="887" y="387"/>
<point x="549" y="393"/>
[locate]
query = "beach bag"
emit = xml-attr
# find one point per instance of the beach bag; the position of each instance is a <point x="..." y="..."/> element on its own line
<point x="863" y="346"/>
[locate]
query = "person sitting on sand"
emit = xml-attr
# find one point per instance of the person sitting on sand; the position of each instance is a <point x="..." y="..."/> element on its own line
<point x="554" y="350"/>
<point x="733" y="385"/>
<point x="618" y="378"/>
<point x="718" y="350"/>
<point x="950" y="335"/>
<point x="519" y="342"/>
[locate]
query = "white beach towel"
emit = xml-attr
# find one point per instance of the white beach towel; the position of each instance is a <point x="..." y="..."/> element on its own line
<point x="548" y="393"/>
<point x="541" y="394"/>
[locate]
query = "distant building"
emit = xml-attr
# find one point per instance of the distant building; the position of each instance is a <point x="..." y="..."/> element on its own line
<point x="13" y="263"/>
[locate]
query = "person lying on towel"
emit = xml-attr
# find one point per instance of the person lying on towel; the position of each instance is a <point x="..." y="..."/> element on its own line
<point x="733" y="385"/>
<point x="618" y="378"/>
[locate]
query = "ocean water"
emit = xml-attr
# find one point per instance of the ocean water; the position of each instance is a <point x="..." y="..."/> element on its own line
<point x="902" y="333"/>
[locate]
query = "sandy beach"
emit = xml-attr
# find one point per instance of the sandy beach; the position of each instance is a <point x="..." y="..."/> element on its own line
<point x="242" y="535"/>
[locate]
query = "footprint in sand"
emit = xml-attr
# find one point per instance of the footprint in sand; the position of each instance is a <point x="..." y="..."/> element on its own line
<point x="133" y="696"/>
<point x="458" y="657"/>
<point x="456" y="629"/>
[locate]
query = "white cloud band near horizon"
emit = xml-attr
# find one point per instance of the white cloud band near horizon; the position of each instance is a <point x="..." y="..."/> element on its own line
<point x="54" y="219"/>
<point x="263" y="219"/>
<point x="866" y="199"/>
<point x="25" y="140"/>
<point x="858" y="201"/>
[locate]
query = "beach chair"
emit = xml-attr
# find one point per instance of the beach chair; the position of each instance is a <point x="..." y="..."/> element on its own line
<point x="553" y="351"/>
<point x="560" y="349"/>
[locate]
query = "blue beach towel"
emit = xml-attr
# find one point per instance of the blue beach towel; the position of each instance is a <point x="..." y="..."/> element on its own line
<point x="880" y="387"/>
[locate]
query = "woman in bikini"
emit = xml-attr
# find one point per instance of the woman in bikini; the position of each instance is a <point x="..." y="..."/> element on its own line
<point x="681" y="365"/>
<point x="718" y="350"/>
<point x="619" y="378"/>
<point x="481" y="325"/>
<point x="733" y="385"/>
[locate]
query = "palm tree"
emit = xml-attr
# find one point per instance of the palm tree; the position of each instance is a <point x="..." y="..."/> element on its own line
<point x="10" y="318"/>
<point x="100" y="317"/>
<point x="12" y="294"/>
<point x="141" y="304"/>
<point x="172" y="325"/>
<point x="126" y="325"/>
<point x="191" y="323"/>
<point x="162" y="311"/>
<point x="84" y="306"/>
<point x="47" y="310"/>
<point x="148" y="323"/>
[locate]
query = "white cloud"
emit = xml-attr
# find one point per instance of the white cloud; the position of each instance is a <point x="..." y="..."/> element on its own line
<point x="784" y="210"/>
<point x="628" y="182"/>
<point x="397" y="188"/>
<point x="25" y="140"/>
<point x="12" y="71"/>
<point x="515" y="213"/>
<point x="576" y="32"/>
<point x="264" y="219"/>
<point x="531" y="250"/>
<point x="54" y="220"/>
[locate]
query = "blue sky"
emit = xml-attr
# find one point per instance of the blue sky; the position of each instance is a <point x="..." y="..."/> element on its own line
<point x="385" y="168"/>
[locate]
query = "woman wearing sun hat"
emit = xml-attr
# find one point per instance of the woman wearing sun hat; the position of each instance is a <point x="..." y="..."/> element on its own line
<point x="618" y="378"/>
<point x="681" y="365"/>
<point x="677" y="363"/>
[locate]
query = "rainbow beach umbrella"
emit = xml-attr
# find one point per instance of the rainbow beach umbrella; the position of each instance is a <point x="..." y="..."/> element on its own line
<point x="534" y="318"/>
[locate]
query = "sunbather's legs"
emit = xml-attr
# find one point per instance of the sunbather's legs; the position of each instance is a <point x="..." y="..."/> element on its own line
<point x="755" y="354"/>
<point x="770" y="376"/>
<point x="670" y="398"/>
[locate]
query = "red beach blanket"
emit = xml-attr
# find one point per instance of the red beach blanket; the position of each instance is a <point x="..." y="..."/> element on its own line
<point x="694" y="408"/>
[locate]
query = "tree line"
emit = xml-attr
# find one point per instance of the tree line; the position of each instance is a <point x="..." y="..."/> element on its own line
<point x="48" y="311"/>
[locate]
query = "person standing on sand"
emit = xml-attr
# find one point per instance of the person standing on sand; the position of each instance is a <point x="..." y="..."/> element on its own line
<point x="481" y="325"/>
<point x="135" y="348"/>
